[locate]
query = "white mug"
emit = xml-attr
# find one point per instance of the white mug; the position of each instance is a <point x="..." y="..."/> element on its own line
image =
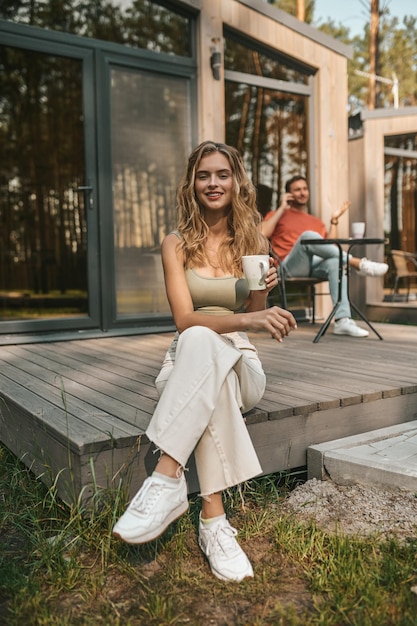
<point x="358" y="230"/>
<point x="255" y="269"/>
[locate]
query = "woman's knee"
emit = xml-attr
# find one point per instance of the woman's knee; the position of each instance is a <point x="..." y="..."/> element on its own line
<point x="194" y="333"/>
<point x="197" y="338"/>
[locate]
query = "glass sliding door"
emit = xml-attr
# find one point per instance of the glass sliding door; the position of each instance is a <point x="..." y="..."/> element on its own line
<point x="150" y="140"/>
<point x="45" y="193"/>
<point x="96" y="123"/>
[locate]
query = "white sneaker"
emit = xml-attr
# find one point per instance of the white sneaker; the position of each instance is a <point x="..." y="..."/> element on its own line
<point x="372" y="268"/>
<point x="158" y="502"/>
<point x="225" y="556"/>
<point x="347" y="326"/>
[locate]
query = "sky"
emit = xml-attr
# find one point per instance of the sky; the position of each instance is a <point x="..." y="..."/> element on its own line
<point x="353" y="13"/>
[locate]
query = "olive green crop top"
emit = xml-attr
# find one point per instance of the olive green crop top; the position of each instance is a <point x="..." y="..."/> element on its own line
<point x="217" y="296"/>
<point x="221" y="295"/>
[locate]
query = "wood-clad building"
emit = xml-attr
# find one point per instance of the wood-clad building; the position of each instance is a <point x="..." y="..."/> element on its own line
<point x="102" y="103"/>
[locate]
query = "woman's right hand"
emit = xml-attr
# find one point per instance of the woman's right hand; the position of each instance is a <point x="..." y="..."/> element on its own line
<point x="278" y="322"/>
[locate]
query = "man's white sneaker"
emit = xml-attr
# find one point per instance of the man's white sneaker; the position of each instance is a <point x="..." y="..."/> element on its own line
<point x="159" y="501"/>
<point x="347" y="326"/>
<point x="372" y="268"/>
<point x="225" y="556"/>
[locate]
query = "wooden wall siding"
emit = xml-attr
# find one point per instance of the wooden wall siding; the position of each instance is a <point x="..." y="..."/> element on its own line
<point x="210" y="91"/>
<point x="329" y="174"/>
<point x="76" y="411"/>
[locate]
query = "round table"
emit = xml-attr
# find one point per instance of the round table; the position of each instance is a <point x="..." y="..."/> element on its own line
<point x="350" y="243"/>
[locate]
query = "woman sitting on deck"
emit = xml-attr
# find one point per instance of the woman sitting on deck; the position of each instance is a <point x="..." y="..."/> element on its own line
<point x="211" y="372"/>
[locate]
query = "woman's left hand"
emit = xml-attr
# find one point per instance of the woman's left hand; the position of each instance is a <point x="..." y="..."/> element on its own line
<point x="271" y="279"/>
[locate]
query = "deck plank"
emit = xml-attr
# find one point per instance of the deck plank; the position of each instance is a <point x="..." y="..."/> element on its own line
<point x="70" y="416"/>
<point x="134" y="407"/>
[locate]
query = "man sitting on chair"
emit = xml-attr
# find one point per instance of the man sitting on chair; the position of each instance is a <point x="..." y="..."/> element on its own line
<point x="289" y="225"/>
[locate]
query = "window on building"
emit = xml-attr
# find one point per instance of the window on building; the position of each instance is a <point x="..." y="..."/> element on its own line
<point x="400" y="156"/>
<point x="267" y="113"/>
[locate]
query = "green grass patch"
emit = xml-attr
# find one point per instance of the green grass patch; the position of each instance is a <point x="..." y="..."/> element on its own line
<point x="60" y="565"/>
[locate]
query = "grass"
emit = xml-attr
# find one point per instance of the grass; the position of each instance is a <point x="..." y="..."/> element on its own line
<point x="59" y="565"/>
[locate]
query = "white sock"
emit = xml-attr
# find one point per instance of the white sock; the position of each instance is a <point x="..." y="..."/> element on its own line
<point x="167" y="479"/>
<point x="212" y="520"/>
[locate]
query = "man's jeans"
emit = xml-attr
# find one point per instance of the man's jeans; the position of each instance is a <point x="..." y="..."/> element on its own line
<point x="320" y="261"/>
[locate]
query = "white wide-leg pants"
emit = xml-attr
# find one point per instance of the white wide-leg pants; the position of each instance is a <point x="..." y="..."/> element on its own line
<point x="207" y="380"/>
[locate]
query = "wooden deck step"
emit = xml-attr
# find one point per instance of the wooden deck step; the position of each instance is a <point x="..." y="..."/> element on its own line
<point x="78" y="410"/>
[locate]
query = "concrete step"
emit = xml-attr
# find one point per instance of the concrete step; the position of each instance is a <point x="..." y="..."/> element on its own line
<point x="386" y="457"/>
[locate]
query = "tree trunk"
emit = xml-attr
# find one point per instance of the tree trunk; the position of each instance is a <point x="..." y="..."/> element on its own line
<point x="373" y="54"/>
<point x="301" y="10"/>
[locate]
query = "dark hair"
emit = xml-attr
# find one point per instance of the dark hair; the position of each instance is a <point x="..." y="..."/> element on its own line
<point x="293" y="180"/>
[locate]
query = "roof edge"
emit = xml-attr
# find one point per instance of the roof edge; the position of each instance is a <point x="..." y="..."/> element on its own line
<point x="278" y="15"/>
<point x="367" y="114"/>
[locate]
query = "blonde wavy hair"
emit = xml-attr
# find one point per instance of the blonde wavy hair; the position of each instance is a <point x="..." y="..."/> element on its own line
<point x="244" y="236"/>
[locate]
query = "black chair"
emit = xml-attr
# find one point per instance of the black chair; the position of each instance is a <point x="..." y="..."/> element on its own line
<point x="306" y="283"/>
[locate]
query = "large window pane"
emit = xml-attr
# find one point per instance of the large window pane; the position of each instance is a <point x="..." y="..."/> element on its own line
<point x="241" y="58"/>
<point x="402" y="142"/>
<point x="43" y="235"/>
<point x="138" y="23"/>
<point x="151" y="138"/>
<point x="269" y="128"/>
<point x="400" y="203"/>
<point x="267" y="123"/>
<point x="401" y="191"/>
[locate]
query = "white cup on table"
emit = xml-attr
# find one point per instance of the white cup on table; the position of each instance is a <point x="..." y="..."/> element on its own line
<point x="358" y="230"/>
<point x="255" y="269"/>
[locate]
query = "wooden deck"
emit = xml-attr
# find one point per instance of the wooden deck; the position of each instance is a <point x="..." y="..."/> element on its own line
<point x="75" y="411"/>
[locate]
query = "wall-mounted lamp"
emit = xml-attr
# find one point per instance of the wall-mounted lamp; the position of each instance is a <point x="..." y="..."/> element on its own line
<point x="215" y="61"/>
